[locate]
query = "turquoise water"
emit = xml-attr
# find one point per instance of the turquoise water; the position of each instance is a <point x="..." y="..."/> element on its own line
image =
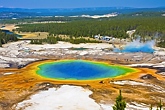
<point x="138" y="46"/>
<point x="132" y="49"/>
<point x="80" y="70"/>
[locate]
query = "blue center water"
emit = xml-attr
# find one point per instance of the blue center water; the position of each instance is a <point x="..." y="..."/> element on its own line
<point x="80" y="70"/>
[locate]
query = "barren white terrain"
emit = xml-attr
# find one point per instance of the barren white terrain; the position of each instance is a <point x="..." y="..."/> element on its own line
<point x="22" y="53"/>
<point x="69" y="98"/>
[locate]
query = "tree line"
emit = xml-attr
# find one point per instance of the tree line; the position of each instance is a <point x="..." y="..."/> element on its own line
<point x="146" y="27"/>
<point x="5" y="38"/>
<point x="55" y="39"/>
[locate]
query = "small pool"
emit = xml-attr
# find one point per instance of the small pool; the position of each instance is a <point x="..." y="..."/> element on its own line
<point x="137" y="46"/>
<point x="81" y="48"/>
<point x="129" y="49"/>
<point x="81" y="70"/>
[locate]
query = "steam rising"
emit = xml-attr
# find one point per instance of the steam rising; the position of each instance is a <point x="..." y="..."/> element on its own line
<point x="137" y="46"/>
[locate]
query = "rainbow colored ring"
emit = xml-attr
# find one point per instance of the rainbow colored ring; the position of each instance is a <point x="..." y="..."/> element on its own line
<point x="81" y="70"/>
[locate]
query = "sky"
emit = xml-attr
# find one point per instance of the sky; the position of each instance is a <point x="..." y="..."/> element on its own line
<point x="81" y="3"/>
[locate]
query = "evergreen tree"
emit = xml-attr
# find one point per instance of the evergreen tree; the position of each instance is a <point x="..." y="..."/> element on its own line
<point x="120" y="103"/>
<point x="151" y="107"/>
<point x="4" y="38"/>
<point x="160" y="105"/>
<point x="0" y="44"/>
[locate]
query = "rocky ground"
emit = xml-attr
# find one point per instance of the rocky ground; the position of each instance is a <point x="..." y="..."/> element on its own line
<point x="139" y="91"/>
<point x="22" y="53"/>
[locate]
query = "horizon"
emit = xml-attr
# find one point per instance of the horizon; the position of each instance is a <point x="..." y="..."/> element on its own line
<point x="85" y="7"/>
<point x="65" y="4"/>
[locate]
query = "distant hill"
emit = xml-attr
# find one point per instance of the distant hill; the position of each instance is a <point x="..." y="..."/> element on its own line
<point x="21" y="12"/>
<point x="50" y="10"/>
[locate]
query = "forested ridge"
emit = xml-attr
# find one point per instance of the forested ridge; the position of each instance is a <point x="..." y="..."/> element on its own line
<point x="144" y="26"/>
<point x="4" y="38"/>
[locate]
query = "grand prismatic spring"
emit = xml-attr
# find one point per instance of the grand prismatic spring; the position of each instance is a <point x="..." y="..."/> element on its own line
<point x="81" y="70"/>
<point x="98" y="76"/>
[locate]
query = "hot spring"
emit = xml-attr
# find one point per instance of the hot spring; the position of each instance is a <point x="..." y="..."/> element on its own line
<point x="81" y="70"/>
<point x="137" y="46"/>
